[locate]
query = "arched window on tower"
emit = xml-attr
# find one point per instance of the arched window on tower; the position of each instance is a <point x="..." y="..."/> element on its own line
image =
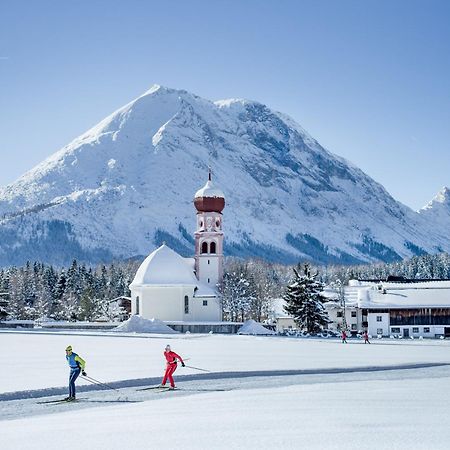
<point x="204" y="248"/>
<point x="212" y="247"/>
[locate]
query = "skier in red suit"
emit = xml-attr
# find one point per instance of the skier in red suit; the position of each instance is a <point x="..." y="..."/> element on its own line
<point x="172" y="359"/>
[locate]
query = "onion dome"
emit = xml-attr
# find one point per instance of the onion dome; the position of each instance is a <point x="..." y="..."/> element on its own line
<point x="209" y="198"/>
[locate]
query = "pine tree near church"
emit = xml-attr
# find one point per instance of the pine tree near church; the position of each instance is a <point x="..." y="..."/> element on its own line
<point x="305" y="302"/>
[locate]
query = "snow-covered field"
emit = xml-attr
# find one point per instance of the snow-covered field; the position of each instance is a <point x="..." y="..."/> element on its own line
<point x="263" y="392"/>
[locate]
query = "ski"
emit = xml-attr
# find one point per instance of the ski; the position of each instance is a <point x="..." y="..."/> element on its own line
<point x="49" y="402"/>
<point x="167" y="389"/>
<point x="151" y="387"/>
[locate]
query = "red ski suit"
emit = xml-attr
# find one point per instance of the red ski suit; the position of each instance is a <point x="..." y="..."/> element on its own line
<point x="171" y="358"/>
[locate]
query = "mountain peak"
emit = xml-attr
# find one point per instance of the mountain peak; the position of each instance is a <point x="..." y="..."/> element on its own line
<point x="153" y="89"/>
<point x="159" y="89"/>
<point x="443" y="195"/>
<point x="441" y="198"/>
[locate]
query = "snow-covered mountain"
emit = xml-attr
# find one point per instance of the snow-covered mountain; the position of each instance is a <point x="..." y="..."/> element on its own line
<point x="437" y="211"/>
<point x="128" y="183"/>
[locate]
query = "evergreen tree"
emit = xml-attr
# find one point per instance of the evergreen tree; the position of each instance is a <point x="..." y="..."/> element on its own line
<point x="90" y="306"/>
<point x="56" y="309"/>
<point x="70" y="309"/>
<point x="16" y="304"/>
<point x="304" y="301"/>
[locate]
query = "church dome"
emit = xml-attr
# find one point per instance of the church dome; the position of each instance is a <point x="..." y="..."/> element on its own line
<point x="165" y="267"/>
<point x="209" y="198"/>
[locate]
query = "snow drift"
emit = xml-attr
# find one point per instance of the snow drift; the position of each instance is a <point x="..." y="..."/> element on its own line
<point x="137" y="324"/>
<point x="254" y="328"/>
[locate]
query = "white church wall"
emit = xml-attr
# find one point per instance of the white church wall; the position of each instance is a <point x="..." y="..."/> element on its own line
<point x="161" y="302"/>
<point x="169" y="303"/>
<point x="206" y="309"/>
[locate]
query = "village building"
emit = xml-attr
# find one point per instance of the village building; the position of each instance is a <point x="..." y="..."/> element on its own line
<point x="395" y="307"/>
<point x="279" y="318"/>
<point x="172" y="288"/>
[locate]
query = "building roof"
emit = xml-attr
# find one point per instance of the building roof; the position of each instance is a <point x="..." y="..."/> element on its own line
<point x="407" y="298"/>
<point x="165" y="267"/>
<point x="209" y="191"/>
<point x="400" y="279"/>
<point x="399" y="294"/>
<point x="209" y="198"/>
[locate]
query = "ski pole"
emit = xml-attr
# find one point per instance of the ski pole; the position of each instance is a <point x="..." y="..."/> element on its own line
<point x="99" y="383"/>
<point x="197" y="368"/>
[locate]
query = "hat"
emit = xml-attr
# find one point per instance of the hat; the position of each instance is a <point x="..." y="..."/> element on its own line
<point x="69" y="348"/>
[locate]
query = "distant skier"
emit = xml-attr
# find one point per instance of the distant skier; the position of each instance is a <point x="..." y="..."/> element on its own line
<point x="172" y="360"/>
<point x="344" y="337"/>
<point x="77" y="365"/>
<point x="366" y="337"/>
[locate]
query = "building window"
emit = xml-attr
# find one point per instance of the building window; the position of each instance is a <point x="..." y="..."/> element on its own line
<point x="205" y="302"/>
<point x="415" y="329"/>
<point x="426" y="329"/>
<point x="339" y="314"/>
<point x="379" y="318"/>
<point x="379" y="330"/>
<point x="137" y="305"/>
<point x="204" y="247"/>
<point x="354" y="327"/>
<point x="353" y="313"/>
<point x="212" y="247"/>
<point x="186" y="304"/>
<point x="395" y="330"/>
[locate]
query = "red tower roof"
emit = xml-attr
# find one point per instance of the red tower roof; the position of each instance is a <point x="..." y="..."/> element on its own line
<point x="209" y="198"/>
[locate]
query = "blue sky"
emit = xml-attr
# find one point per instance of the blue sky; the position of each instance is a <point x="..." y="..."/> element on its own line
<point x="369" y="79"/>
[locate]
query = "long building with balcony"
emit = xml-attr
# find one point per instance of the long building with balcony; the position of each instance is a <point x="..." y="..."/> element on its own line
<point x="395" y="307"/>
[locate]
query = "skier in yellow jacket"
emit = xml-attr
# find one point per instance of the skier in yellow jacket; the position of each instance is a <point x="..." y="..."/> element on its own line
<point x="77" y="365"/>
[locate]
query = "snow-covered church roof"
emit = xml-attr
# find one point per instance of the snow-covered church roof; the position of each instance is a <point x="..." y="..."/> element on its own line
<point x="209" y="191"/>
<point x="165" y="267"/>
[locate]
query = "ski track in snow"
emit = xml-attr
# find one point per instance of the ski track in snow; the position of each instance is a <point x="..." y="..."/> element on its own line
<point x="21" y="404"/>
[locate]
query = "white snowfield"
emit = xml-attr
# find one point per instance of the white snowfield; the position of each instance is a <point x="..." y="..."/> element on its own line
<point x="262" y="392"/>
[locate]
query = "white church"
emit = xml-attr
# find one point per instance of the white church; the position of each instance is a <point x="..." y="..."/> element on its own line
<point x="172" y="288"/>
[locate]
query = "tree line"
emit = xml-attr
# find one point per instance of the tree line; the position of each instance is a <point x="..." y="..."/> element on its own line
<point x="37" y="291"/>
<point x="80" y="292"/>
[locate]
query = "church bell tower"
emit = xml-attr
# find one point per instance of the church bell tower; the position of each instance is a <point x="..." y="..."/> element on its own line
<point x="209" y="202"/>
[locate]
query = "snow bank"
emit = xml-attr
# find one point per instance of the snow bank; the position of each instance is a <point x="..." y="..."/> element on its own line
<point x="252" y="327"/>
<point x="137" y="324"/>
